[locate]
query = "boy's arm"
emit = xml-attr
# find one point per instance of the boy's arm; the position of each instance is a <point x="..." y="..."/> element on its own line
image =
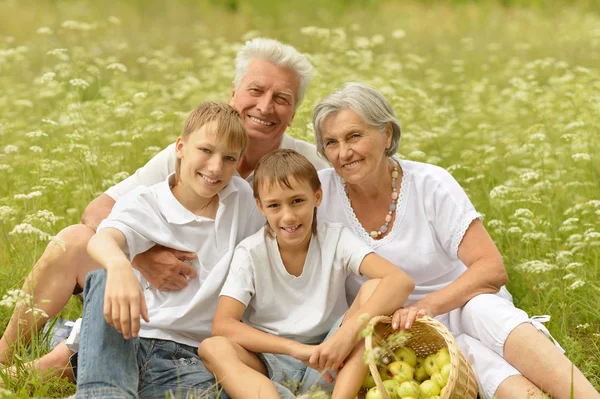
<point x="390" y="294"/>
<point x="227" y="323"/>
<point x="123" y="297"/>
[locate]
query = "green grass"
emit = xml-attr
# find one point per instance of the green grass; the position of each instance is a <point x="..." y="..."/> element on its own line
<point x="506" y="98"/>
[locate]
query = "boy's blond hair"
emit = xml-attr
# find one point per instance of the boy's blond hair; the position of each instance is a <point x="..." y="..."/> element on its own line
<point x="278" y="167"/>
<point x="229" y="126"/>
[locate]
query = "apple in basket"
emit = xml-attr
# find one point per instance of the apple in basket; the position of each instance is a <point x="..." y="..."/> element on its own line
<point x="429" y="389"/>
<point x="400" y="371"/>
<point x="368" y="382"/>
<point x="408" y="389"/>
<point x="406" y="355"/>
<point x="431" y="365"/>
<point x="442" y="357"/>
<point x="437" y="378"/>
<point x="391" y="388"/>
<point x="445" y="372"/>
<point x="420" y="373"/>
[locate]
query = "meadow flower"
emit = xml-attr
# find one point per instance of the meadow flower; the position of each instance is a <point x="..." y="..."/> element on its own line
<point x="576" y="284"/>
<point x="44" y="217"/>
<point x="79" y="83"/>
<point x="28" y="229"/>
<point x="36" y="148"/>
<point x="536" y="267"/>
<point x="500" y="192"/>
<point x="10" y="149"/>
<point x="523" y="213"/>
<point x="398" y="34"/>
<point x="581" y="157"/>
<point x="7" y="214"/>
<point x="30" y="195"/>
<point x="36" y="133"/>
<point x="116" y="66"/>
<point x="6" y="167"/>
<point x="114" y="20"/>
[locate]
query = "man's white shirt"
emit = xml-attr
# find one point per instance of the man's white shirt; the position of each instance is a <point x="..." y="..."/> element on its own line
<point x="152" y="215"/>
<point x="163" y="164"/>
<point x="302" y="308"/>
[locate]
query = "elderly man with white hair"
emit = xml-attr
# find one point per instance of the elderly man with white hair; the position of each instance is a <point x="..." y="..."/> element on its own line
<point x="269" y="86"/>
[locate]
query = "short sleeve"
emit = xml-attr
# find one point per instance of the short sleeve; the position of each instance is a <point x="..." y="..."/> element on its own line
<point x="239" y="284"/>
<point x="126" y="216"/>
<point x="351" y="251"/>
<point x="156" y="170"/>
<point x="453" y="212"/>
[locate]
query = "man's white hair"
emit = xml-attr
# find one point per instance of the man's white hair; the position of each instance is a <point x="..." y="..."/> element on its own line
<point x="278" y="54"/>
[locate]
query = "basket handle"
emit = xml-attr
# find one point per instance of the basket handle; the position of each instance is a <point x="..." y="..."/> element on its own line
<point x="369" y="346"/>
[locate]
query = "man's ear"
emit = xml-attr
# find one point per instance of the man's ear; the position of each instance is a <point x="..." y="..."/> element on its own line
<point x="232" y="94"/>
<point x="292" y="119"/>
<point x="179" y="147"/>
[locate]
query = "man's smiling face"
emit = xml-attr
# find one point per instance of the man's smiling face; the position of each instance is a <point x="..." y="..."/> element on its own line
<point x="266" y="100"/>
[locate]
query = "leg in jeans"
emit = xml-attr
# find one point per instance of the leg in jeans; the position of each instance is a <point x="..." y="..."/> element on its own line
<point x="51" y="283"/>
<point x="107" y="365"/>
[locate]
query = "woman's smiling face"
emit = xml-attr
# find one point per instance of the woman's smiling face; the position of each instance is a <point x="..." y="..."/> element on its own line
<point x="355" y="149"/>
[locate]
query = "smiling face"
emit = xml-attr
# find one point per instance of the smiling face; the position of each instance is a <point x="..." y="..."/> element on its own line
<point x="266" y="99"/>
<point x="290" y="211"/>
<point x="207" y="163"/>
<point x="355" y="149"/>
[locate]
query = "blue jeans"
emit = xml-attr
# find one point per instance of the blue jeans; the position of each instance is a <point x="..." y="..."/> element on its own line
<point x="110" y="366"/>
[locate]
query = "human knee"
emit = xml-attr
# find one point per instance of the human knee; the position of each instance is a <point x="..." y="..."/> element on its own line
<point x="214" y="348"/>
<point x="76" y="237"/>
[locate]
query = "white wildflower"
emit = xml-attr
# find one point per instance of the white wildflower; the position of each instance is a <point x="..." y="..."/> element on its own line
<point x="36" y="148"/>
<point x="116" y="66"/>
<point x="576" y="284"/>
<point x="36" y="133"/>
<point x="114" y="20"/>
<point x="581" y="157"/>
<point x="500" y="192"/>
<point x="529" y="177"/>
<point x="79" y="83"/>
<point x="514" y="231"/>
<point x="523" y="213"/>
<point x="6" y="167"/>
<point x="10" y="149"/>
<point x="31" y="195"/>
<point x="398" y="34"/>
<point x="44" y="217"/>
<point x="569" y="276"/>
<point x="7" y="214"/>
<point x="536" y="266"/>
<point x="28" y="229"/>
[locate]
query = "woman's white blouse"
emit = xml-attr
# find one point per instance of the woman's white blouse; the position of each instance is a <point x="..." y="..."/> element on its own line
<point x="432" y="216"/>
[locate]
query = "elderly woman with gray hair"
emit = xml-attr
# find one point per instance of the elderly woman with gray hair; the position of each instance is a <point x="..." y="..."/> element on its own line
<point x="418" y="217"/>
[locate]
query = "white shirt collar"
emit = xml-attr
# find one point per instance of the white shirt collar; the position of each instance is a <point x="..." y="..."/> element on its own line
<point x="173" y="211"/>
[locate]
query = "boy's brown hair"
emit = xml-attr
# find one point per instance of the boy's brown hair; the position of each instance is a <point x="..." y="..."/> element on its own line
<point x="278" y="167"/>
<point x="229" y="125"/>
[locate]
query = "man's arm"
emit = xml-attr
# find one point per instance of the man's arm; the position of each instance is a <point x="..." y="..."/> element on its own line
<point x="97" y="211"/>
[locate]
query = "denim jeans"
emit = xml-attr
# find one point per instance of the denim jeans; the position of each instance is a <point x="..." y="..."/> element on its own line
<point x="110" y="366"/>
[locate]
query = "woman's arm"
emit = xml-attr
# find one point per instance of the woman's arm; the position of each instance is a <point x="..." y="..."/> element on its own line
<point x="485" y="274"/>
<point x="124" y="300"/>
<point x="392" y="291"/>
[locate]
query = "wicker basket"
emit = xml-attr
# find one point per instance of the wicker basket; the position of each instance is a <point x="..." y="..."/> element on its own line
<point x="427" y="337"/>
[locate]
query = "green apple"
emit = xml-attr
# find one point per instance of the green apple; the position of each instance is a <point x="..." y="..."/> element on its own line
<point x="429" y="389"/>
<point x="401" y="371"/>
<point x="407" y="355"/>
<point x="391" y="386"/>
<point x="373" y="393"/>
<point x="431" y="365"/>
<point x="420" y="373"/>
<point x="408" y="389"/>
<point x="437" y="378"/>
<point x="442" y="357"/>
<point x="445" y="373"/>
<point x="369" y="381"/>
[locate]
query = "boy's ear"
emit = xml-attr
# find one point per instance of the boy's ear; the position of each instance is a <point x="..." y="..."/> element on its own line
<point x="179" y="147"/>
<point x="260" y="207"/>
<point x="318" y="196"/>
<point x="232" y="94"/>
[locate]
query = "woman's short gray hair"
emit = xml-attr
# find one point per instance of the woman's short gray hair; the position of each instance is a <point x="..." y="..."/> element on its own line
<point x="367" y="102"/>
<point x="278" y="54"/>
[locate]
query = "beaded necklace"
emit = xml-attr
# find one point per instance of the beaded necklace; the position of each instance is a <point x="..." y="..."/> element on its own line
<point x="392" y="208"/>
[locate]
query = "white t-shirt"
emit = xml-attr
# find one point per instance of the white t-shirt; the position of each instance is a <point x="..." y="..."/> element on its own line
<point x="302" y="308"/>
<point x="163" y="164"/>
<point x="152" y="215"/>
<point x="433" y="213"/>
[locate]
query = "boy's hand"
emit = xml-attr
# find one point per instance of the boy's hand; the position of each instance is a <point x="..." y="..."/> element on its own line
<point x="303" y="353"/>
<point x="330" y="355"/>
<point x="124" y="301"/>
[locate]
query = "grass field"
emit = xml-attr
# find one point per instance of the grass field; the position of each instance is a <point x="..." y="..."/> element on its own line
<point x="507" y="99"/>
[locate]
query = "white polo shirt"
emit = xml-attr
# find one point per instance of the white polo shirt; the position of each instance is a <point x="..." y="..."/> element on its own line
<point x="302" y="308"/>
<point x="163" y="164"/>
<point x="152" y="215"/>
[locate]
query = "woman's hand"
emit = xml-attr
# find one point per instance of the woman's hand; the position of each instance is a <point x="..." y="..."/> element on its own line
<point x="403" y="318"/>
<point x="124" y="301"/>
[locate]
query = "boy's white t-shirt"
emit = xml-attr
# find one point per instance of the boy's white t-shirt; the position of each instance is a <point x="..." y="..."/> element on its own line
<point x="152" y="215"/>
<point x="302" y="308"/>
<point x="163" y="164"/>
<point x="433" y="213"/>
